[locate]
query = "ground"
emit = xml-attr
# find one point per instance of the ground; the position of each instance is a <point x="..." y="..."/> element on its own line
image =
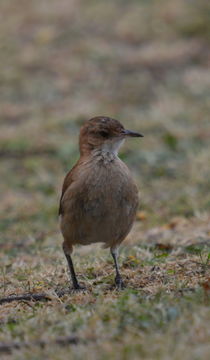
<point x="145" y="63"/>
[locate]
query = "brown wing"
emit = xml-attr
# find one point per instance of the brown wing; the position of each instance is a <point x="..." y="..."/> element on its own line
<point x="67" y="182"/>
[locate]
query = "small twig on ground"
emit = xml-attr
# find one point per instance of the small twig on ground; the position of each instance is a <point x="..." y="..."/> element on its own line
<point x="31" y="296"/>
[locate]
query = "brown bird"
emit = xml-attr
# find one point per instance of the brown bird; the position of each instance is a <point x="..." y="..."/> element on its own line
<point x="99" y="197"/>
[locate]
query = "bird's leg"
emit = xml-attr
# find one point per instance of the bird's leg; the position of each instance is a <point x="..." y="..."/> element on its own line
<point x="76" y="285"/>
<point x="118" y="280"/>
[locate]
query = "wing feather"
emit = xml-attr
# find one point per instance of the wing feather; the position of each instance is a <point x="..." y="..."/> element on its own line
<point x="68" y="180"/>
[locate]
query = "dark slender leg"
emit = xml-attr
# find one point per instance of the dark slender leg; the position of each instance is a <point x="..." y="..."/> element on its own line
<point x="118" y="280"/>
<point x="76" y="285"/>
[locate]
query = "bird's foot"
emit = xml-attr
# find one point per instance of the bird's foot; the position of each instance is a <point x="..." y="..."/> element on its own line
<point x="78" y="287"/>
<point x="119" y="282"/>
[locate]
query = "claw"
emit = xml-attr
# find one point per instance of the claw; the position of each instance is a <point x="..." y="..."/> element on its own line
<point x="119" y="282"/>
<point x="79" y="287"/>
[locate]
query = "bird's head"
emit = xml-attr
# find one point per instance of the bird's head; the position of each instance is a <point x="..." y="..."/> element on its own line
<point x="103" y="133"/>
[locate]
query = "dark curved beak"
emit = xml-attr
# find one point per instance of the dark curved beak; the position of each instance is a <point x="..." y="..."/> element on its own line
<point x="132" y="133"/>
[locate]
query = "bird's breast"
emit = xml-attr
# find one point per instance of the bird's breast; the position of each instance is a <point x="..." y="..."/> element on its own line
<point x="101" y="203"/>
<point x="109" y="186"/>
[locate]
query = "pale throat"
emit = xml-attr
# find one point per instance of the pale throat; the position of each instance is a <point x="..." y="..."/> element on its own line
<point x="112" y="146"/>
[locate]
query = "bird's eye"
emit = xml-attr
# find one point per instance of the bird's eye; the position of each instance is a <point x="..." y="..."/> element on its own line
<point x="104" y="134"/>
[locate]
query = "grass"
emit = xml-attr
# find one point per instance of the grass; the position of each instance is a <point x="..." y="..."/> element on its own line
<point x="145" y="63"/>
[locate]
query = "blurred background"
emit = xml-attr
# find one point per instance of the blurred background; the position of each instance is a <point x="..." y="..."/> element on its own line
<point x="145" y="63"/>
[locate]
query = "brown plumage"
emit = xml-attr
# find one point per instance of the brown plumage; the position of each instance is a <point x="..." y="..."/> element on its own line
<point x="99" y="197"/>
